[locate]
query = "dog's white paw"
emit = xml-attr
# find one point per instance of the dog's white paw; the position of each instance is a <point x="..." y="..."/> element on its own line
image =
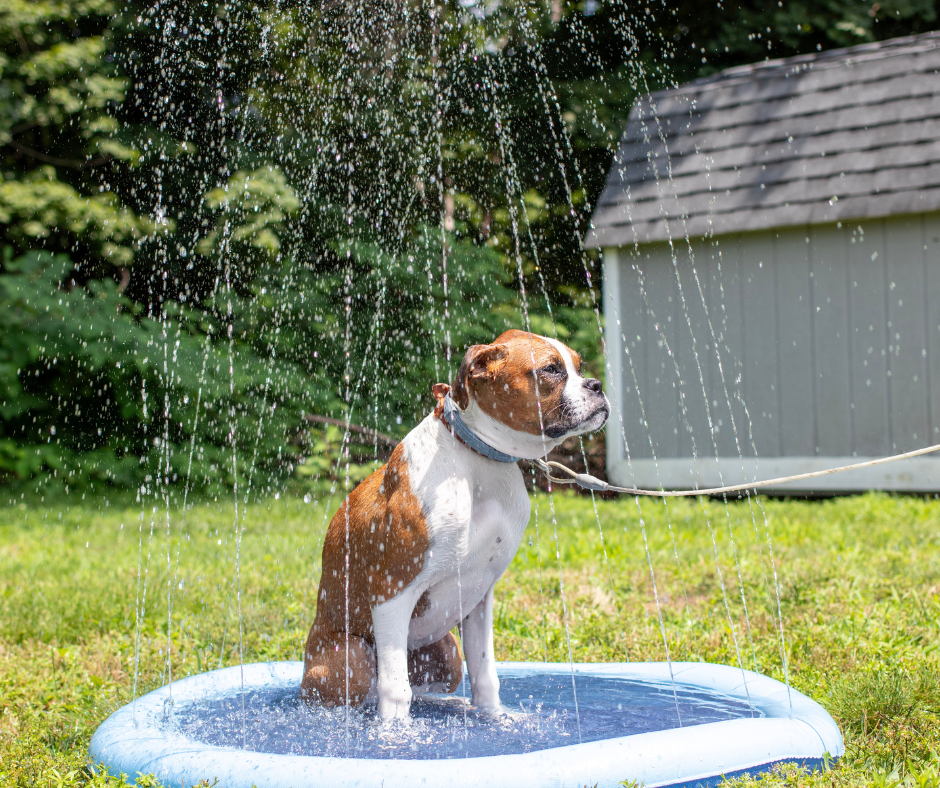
<point x="497" y="711"/>
<point x="394" y="705"/>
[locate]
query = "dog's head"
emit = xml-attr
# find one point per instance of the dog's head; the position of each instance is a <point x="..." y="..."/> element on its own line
<point x="524" y="394"/>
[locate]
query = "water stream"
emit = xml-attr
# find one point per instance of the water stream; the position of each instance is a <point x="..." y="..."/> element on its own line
<point x="277" y="721"/>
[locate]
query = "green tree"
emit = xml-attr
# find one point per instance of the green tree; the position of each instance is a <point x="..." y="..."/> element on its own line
<point x="100" y="381"/>
<point x="58" y="82"/>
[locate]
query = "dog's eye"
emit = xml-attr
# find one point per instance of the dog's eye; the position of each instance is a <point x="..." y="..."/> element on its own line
<point x="552" y="369"/>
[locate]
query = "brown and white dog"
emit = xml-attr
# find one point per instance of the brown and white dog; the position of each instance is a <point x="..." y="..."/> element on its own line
<point x="416" y="549"/>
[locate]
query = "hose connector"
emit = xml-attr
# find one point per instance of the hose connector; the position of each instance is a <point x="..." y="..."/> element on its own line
<point x="588" y="482"/>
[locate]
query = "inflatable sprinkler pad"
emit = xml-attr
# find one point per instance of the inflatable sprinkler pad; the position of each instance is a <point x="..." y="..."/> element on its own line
<point x="615" y="723"/>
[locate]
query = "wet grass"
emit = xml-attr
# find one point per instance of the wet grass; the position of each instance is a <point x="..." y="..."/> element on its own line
<point x="859" y="589"/>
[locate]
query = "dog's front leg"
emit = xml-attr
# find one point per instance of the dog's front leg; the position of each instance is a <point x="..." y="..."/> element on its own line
<point x="390" y="622"/>
<point x="477" y="631"/>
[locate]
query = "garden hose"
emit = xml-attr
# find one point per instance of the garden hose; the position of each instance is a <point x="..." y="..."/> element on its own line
<point x="588" y="482"/>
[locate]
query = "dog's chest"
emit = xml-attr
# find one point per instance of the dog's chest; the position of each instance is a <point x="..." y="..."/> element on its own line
<point x="466" y="559"/>
<point x="492" y="538"/>
<point x="476" y="511"/>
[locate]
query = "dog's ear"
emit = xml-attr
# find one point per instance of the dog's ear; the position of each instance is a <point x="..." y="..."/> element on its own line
<point x="478" y="362"/>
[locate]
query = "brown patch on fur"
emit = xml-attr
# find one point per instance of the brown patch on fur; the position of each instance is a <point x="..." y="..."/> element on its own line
<point x="424" y="602"/>
<point x="388" y="538"/>
<point x="387" y="542"/>
<point x="500" y="377"/>
<point x="325" y="666"/>
<point x="438" y="663"/>
<point x="476" y="364"/>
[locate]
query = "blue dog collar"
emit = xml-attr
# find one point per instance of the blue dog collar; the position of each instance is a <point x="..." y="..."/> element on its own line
<point x="460" y="429"/>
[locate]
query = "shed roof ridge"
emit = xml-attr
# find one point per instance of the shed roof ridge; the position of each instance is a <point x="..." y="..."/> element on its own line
<point x="791" y="157"/>
<point x="831" y="58"/>
<point x="769" y="122"/>
<point x="701" y="148"/>
<point x="750" y="185"/>
<point x="791" y="136"/>
<point x="674" y="97"/>
<point x="868" y="165"/>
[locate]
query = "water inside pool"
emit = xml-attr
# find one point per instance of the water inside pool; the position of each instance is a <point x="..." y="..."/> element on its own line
<point x="275" y="720"/>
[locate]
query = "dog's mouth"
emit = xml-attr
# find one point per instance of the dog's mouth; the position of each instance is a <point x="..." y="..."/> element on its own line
<point x="600" y="415"/>
<point x="593" y="421"/>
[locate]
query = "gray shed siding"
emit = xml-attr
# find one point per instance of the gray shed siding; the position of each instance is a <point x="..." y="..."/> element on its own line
<point x="815" y="346"/>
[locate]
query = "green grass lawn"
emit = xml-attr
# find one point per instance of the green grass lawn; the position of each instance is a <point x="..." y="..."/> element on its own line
<point x="859" y="589"/>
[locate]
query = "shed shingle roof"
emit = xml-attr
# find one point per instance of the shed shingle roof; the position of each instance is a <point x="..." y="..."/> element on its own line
<point x="845" y="134"/>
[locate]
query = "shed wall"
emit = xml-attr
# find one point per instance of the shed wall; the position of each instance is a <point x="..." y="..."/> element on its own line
<point x="804" y="348"/>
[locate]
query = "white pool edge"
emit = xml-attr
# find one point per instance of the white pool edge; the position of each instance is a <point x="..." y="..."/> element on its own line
<point x="682" y="756"/>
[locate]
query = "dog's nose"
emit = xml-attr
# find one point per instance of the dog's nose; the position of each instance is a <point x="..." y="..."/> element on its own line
<point x="593" y="384"/>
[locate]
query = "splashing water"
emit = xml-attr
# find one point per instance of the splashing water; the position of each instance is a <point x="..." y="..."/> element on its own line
<point x="541" y="716"/>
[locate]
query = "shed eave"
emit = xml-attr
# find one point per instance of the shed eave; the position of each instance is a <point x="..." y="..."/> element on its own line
<point x="759" y="220"/>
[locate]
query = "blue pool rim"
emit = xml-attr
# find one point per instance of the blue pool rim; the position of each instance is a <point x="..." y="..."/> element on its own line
<point x="794" y="729"/>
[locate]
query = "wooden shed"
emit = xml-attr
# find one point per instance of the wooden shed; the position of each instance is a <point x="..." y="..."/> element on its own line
<point x="771" y="244"/>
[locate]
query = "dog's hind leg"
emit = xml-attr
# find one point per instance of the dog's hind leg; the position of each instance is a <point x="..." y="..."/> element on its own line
<point x="437" y="667"/>
<point x="325" y="668"/>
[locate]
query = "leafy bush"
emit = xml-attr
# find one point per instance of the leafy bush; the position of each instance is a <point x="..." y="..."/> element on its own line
<point x="96" y="391"/>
